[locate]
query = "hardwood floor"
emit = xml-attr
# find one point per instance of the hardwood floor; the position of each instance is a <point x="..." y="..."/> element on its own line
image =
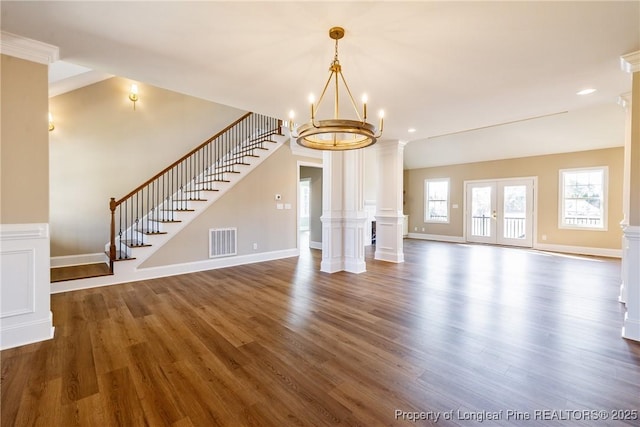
<point x="461" y="332"/>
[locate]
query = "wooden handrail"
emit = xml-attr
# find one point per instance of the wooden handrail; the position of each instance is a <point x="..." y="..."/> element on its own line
<point x="172" y="165"/>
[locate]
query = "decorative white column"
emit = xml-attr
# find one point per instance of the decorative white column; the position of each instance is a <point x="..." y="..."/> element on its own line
<point x="343" y="216"/>
<point x="389" y="213"/>
<point x="630" y="289"/>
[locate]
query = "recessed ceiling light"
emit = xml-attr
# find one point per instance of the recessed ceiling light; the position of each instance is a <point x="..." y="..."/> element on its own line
<point x="587" y="91"/>
<point x="411" y="130"/>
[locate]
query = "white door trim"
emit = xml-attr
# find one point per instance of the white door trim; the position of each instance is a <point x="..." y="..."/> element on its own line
<point x="533" y="212"/>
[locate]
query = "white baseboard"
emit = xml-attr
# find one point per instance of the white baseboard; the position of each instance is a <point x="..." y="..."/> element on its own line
<point x="82" y="259"/>
<point x="437" y="237"/>
<point x="579" y="250"/>
<point x="315" y="245"/>
<point x="168" y="270"/>
<point x="27" y="333"/>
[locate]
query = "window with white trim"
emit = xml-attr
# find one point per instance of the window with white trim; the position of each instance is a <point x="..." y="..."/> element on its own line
<point x="436" y="196"/>
<point x="583" y="198"/>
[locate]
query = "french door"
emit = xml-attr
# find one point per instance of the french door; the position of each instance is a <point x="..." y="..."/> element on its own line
<point x="500" y="212"/>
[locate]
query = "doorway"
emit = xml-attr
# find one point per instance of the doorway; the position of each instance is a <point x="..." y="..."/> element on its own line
<point x="500" y="212"/>
<point x="309" y="205"/>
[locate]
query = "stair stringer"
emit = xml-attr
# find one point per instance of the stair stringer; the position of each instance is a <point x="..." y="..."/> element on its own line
<point x="129" y="270"/>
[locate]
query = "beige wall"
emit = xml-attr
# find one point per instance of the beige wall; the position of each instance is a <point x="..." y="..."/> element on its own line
<point x="102" y="148"/>
<point x="251" y="207"/>
<point x="24" y="142"/>
<point x="546" y="168"/>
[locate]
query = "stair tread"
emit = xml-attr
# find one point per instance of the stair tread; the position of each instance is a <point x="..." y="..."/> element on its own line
<point x="75" y="272"/>
<point x="212" y="180"/>
<point x="135" y="243"/>
<point x="203" y="189"/>
<point x="118" y="256"/>
<point x="150" y="232"/>
<point x="189" y="200"/>
<point x="178" y="210"/>
<point x="164" y="221"/>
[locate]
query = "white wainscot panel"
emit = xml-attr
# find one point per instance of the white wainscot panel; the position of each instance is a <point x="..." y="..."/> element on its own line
<point x="17" y="277"/>
<point x="25" y="315"/>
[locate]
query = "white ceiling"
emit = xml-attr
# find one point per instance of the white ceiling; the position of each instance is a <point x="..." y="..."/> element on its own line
<point x="477" y="80"/>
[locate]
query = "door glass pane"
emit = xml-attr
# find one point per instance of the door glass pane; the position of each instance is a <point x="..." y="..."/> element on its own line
<point x="481" y="211"/>
<point x="515" y="212"/>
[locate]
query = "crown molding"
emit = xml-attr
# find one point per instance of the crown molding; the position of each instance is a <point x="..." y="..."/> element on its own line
<point x="630" y="62"/>
<point x="28" y="49"/>
<point x="624" y="100"/>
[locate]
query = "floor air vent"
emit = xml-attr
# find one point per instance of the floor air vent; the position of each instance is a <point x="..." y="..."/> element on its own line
<point x="223" y="242"/>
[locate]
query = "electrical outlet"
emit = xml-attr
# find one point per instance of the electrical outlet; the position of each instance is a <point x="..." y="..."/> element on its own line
<point x="415" y="228"/>
<point x="255" y="246"/>
<point x="422" y="228"/>
<point x="544" y="237"/>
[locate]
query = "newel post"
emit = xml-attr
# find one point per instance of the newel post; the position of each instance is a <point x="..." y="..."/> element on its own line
<point x="112" y="244"/>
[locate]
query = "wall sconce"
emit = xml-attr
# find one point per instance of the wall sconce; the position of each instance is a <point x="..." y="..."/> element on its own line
<point x="51" y="126"/>
<point x="133" y="95"/>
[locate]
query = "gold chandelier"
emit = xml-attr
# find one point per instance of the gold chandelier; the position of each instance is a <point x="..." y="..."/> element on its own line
<point x="337" y="133"/>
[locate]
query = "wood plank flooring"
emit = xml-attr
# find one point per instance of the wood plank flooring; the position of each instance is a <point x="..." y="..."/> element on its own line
<point x="461" y="332"/>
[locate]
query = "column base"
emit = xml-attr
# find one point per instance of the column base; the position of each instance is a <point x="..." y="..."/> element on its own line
<point x="631" y="329"/>
<point x="331" y="266"/>
<point x="389" y="242"/>
<point x="355" y="266"/>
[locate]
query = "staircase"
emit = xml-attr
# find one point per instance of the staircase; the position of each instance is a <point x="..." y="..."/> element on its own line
<point x="150" y="215"/>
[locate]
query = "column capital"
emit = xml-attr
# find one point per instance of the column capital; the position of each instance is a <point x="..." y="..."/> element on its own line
<point x="630" y="63"/>
<point x="390" y="144"/>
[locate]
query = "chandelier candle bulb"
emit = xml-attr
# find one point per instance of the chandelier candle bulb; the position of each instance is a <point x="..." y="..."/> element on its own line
<point x="292" y="115"/>
<point x="312" y="99"/>
<point x="364" y="107"/>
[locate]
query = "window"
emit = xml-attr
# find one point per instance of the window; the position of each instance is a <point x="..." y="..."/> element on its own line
<point x="583" y="198"/>
<point x="436" y="195"/>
